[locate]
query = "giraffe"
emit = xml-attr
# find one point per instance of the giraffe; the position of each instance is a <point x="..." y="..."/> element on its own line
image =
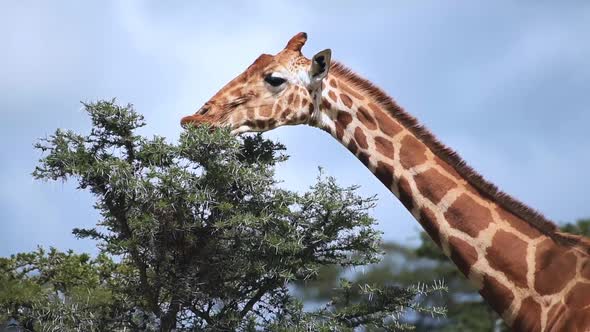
<point x="535" y="277"/>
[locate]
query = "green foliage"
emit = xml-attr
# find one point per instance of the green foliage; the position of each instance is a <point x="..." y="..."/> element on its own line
<point x="196" y="236"/>
<point x="50" y="290"/>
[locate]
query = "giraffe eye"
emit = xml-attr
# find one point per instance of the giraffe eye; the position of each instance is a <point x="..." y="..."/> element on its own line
<point x="274" y="81"/>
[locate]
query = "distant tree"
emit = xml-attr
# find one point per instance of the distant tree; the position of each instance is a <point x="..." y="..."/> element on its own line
<point x="196" y="236"/>
<point x="580" y="227"/>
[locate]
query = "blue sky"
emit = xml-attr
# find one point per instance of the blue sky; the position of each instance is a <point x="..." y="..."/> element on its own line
<point x="504" y="84"/>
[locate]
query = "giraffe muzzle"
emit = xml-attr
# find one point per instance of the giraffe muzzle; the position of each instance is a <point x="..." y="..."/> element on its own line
<point x="197" y="118"/>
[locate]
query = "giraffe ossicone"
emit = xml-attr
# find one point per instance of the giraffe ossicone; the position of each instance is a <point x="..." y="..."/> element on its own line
<point x="535" y="277"/>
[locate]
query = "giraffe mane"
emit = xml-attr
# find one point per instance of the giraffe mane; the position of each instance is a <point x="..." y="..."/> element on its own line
<point x="483" y="186"/>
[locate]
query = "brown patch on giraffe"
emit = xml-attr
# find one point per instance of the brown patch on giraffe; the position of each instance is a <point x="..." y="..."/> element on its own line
<point x="346" y="100"/>
<point x="333" y="96"/>
<point x="326" y="104"/>
<point x="360" y="138"/>
<point x="577" y="320"/>
<point x="290" y="98"/>
<point x="430" y="224"/>
<point x="364" y="158"/>
<point x="529" y="316"/>
<point x="554" y="317"/>
<point x="296" y="101"/>
<point x="304" y="101"/>
<point x="384" y="172"/>
<point x="412" y="152"/>
<point x="265" y="111"/>
<point x="580" y="321"/>
<point x="555" y="266"/>
<point x="339" y="131"/>
<point x="250" y="113"/>
<point x="365" y="118"/>
<point x="579" y="296"/>
<point x="433" y="185"/>
<point x="586" y="269"/>
<point x="497" y="295"/>
<point x="333" y="83"/>
<point x="352" y="146"/>
<point x="344" y="118"/>
<point x="520" y="225"/>
<point x="466" y="215"/>
<point x="405" y="193"/>
<point x="286" y="114"/>
<point x="384" y="147"/>
<point x="508" y="254"/>
<point x="463" y="254"/>
<point x="386" y="123"/>
<point x="310" y="107"/>
<point x="345" y="88"/>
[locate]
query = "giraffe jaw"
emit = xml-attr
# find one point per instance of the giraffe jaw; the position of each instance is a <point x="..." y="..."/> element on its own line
<point x="240" y="130"/>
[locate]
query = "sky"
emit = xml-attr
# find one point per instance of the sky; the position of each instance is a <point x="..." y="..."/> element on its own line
<point x="505" y="84"/>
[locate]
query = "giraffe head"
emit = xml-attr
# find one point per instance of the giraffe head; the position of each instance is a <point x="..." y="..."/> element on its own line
<point x="274" y="91"/>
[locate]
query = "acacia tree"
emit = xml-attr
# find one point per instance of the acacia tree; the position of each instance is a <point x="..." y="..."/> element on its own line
<point x="203" y="237"/>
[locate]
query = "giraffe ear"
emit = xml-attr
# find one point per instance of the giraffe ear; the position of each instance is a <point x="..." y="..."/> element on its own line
<point x="320" y="64"/>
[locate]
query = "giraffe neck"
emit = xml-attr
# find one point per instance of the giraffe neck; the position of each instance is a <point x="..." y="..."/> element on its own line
<point x="528" y="278"/>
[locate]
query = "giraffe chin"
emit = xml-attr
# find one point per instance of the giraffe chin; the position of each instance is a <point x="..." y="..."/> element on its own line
<point x="240" y="130"/>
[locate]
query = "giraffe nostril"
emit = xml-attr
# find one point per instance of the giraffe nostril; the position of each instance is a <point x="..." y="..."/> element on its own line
<point x="203" y="110"/>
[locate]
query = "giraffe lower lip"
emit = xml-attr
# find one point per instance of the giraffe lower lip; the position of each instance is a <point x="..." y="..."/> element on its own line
<point x="187" y="120"/>
<point x="194" y="120"/>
